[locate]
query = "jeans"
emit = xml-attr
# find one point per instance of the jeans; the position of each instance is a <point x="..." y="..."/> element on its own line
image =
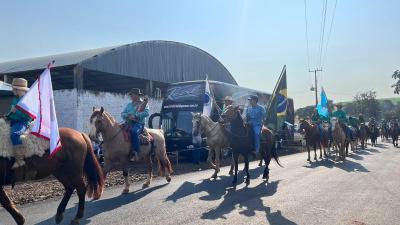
<point x="136" y="129"/>
<point x="257" y="132"/>
<point x="17" y="129"/>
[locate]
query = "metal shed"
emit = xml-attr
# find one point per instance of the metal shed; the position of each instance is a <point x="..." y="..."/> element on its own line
<point x="146" y="65"/>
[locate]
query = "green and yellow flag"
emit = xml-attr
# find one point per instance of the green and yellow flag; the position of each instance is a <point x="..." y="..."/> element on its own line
<point x="277" y="107"/>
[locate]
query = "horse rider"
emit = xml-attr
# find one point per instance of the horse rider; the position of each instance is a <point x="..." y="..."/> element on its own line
<point x="341" y="116"/>
<point x="228" y="100"/>
<point x="372" y="121"/>
<point x="135" y="118"/>
<point x="255" y="115"/>
<point x="316" y="119"/>
<point x="19" y="120"/>
<point x="355" y="123"/>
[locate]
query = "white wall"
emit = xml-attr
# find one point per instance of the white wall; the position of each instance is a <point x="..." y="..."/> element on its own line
<point x="74" y="109"/>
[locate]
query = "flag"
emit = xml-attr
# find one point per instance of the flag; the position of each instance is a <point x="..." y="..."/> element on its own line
<point x="207" y="99"/>
<point x="322" y="108"/>
<point x="277" y="107"/>
<point x="38" y="103"/>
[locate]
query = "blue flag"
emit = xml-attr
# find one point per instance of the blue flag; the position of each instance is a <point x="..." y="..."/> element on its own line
<point x="322" y="108"/>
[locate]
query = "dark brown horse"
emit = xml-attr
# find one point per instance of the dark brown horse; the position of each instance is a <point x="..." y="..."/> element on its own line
<point x="363" y="136"/>
<point x="373" y="133"/>
<point x="394" y="133"/>
<point x="241" y="141"/>
<point x="70" y="165"/>
<point x="312" y="136"/>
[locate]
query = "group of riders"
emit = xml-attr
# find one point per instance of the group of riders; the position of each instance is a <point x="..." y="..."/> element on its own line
<point x="347" y="122"/>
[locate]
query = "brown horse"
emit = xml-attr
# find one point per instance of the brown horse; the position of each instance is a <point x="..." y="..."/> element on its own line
<point x="363" y="136"/>
<point x="394" y="133"/>
<point x="339" y="138"/>
<point x="116" y="148"/>
<point x="70" y="165"/>
<point x="312" y="136"/>
<point x="373" y="133"/>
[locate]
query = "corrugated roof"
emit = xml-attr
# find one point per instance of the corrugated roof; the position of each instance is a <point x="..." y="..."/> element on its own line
<point x="65" y="59"/>
<point x="5" y="86"/>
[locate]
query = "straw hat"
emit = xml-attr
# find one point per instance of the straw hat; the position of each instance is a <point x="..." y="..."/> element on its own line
<point x="228" y="98"/>
<point x="20" y="84"/>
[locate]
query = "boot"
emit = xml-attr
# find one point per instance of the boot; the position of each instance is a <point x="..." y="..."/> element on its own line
<point x="19" y="156"/>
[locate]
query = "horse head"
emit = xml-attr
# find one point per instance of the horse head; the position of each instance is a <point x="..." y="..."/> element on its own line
<point x="304" y="126"/>
<point x="334" y="122"/>
<point x="196" y="124"/>
<point x="230" y="113"/>
<point x="96" y="124"/>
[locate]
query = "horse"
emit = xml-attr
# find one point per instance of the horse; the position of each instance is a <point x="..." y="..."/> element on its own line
<point x="74" y="161"/>
<point x="363" y="136"/>
<point x="325" y="142"/>
<point x="216" y="139"/>
<point x="394" y="133"/>
<point x="353" y="141"/>
<point x="241" y="141"/>
<point x="312" y="136"/>
<point x="373" y="133"/>
<point x="384" y="132"/>
<point x="116" y="148"/>
<point x="339" y="138"/>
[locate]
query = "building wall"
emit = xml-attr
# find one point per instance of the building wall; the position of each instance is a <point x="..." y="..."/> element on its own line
<point x="74" y="109"/>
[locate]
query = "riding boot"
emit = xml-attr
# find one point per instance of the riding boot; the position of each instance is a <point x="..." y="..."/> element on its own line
<point x="19" y="156"/>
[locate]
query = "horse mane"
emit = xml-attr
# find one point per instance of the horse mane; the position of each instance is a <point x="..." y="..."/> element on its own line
<point x="109" y="117"/>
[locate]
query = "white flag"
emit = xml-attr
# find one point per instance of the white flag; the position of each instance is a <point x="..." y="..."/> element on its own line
<point x="207" y="99"/>
<point x="38" y="103"/>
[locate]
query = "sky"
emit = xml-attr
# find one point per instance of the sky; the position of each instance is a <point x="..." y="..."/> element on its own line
<point x="253" y="39"/>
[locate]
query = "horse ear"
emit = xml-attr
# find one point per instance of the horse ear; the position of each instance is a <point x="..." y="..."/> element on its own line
<point x="94" y="108"/>
<point x="101" y="110"/>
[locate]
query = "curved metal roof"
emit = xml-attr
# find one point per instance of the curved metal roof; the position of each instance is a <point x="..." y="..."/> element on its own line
<point x="162" y="61"/>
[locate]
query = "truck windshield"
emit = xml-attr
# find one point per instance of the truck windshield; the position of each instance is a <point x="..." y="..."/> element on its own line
<point x="177" y="124"/>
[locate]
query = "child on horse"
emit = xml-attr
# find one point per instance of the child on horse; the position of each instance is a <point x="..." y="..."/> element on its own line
<point x="18" y="120"/>
<point x="135" y="115"/>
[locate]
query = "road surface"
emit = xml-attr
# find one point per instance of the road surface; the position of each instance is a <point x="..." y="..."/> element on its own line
<point x="363" y="190"/>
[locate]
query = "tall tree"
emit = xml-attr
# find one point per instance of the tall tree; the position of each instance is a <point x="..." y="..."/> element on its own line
<point x="396" y="77"/>
<point x="367" y="104"/>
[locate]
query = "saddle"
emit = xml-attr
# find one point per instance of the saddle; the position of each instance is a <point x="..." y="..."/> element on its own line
<point x="145" y="137"/>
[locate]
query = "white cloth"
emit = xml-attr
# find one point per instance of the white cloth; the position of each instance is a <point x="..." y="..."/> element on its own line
<point x="38" y="103"/>
<point x="207" y="100"/>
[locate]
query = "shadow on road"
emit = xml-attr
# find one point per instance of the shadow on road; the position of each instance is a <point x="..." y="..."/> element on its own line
<point x="215" y="189"/>
<point x="248" y="201"/>
<point x="96" y="207"/>
<point x="348" y="166"/>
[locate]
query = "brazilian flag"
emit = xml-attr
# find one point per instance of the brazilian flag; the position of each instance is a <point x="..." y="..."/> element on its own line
<point x="277" y="107"/>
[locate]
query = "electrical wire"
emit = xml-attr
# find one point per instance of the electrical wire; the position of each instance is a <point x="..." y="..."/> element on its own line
<point x="329" y="34"/>
<point x="306" y="21"/>
<point x="323" y="24"/>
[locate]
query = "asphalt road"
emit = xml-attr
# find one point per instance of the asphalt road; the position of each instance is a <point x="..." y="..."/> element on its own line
<point x="363" y="190"/>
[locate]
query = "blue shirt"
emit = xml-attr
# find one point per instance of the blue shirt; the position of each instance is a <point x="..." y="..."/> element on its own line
<point x="132" y="110"/>
<point x="255" y="115"/>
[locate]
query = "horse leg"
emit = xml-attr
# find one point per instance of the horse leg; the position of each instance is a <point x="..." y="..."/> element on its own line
<point x="308" y="149"/>
<point x="320" y="150"/>
<point x="210" y="159"/>
<point x="69" y="189"/>
<point x="217" y="163"/>
<point x="246" y="168"/>
<point x="236" y="159"/>
<point x="125" y="173"/>
<point x="232" y="165"/>
<point x="147" y="160"/>
<point x="315" y="151"/>
<point x="10" y="207"/>
<point x="267" y="160"/>
<point x="81" y="191"/>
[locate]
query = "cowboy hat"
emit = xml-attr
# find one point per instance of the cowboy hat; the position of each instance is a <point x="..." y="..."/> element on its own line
<point x="20" y="84"/>
<point x="253" y="97"/>
<point x="135" y="91"/>
<point x="228" y="98"/>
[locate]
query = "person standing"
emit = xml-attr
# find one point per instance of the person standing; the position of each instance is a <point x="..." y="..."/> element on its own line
<point x="18" y="120"/>
<point x="135" y="115"/>
<point x="255" y="115"/>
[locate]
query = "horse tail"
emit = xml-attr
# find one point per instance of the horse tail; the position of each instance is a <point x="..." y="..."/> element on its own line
<point x="164" y="165"/>
<point x="93" y="172"/>
<point x="274" y="154"/>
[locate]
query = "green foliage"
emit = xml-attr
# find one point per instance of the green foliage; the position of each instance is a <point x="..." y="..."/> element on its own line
<point x="396" y="77"/>
<point x="366" y="103"/>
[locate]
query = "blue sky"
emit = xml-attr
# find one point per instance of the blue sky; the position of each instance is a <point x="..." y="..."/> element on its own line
<point x="253" y="39"/>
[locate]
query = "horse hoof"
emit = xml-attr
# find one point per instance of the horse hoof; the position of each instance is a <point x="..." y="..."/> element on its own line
<point x="168" y="179"/>
<point x="308" y="160"/>
<point x="247" y="182"/>
<point x="75" y="221"/>
<point x="145" y="185"/>
<point x="230" y="172"/>
<point x="59" y="218"/>
<point x="125" y="191"/>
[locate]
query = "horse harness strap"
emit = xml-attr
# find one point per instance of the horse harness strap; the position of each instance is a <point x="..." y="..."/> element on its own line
<point x="112" y="138"/>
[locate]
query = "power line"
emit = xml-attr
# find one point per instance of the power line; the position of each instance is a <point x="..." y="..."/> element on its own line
<point x="329" y="34"/>
<point x="308" y="48"/>
<point x="323" y="23"/>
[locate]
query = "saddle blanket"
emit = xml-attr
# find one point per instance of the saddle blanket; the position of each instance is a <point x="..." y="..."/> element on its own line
<point x="32" y="145"/>
<point x="145" y="137"/>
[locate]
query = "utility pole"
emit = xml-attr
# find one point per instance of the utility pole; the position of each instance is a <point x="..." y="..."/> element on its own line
<point x="316" y="84"/>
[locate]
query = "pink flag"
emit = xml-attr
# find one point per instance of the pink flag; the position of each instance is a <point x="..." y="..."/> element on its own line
<point x="38" y="103"/>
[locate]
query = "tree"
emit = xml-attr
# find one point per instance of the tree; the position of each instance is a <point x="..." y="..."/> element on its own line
<point x="396" y="77"/>
<point x="366" y="103"/>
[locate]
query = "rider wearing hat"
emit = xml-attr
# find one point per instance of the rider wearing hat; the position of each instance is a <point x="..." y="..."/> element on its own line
<point x="18" y="120"/>
<point x="228" y="100"/>
<point x="133" y="116"/>
<point x="254" y="116"/>
<point x="341" y="116"/>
